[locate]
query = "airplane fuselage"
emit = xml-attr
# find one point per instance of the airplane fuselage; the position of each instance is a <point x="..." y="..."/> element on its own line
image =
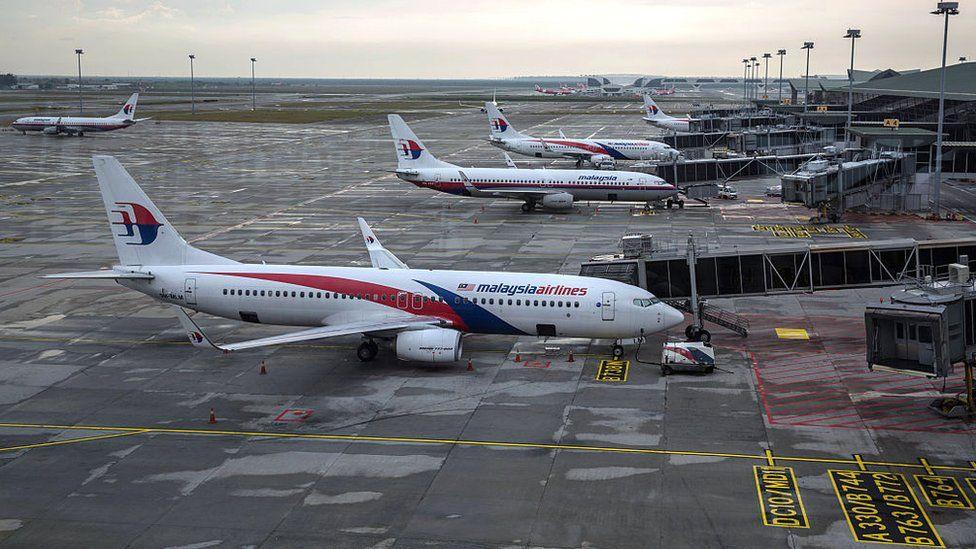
<point x="594" y="185"/>
<point x="674" y="124"/>
<point x="618" y="149"/>
<point x="69" y="124"/>
<point x="469" y="301"/>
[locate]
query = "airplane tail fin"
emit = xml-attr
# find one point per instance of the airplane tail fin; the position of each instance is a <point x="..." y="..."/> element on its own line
<point x="411" y="152"/>
<point x="142" y="234"/>
<point x="653" y="111"/>
<point x="499" y="126"/>
<point x="128" y="110"/>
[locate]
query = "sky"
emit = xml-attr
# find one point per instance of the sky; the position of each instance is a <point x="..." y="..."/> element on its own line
<point x="468" y="39"/>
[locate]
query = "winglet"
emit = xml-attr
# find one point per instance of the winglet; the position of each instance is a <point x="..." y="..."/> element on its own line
<point x="380" y="257"/>
<point x="561" y="134"/>
<point x="509" y="162"/>
<point x="194" y="333"/>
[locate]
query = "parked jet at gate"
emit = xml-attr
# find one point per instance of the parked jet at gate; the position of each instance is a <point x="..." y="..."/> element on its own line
<point x="656" y="117"/>
<point x="601" y="153"/>
<point x="78" y="125"/>
<point x="424" y="312"/>
<point x="556" y="189"/>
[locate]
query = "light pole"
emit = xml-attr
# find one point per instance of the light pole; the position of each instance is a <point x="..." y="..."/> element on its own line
<point x="853" y="34"/>
<point x="81" y="106"/>
<point x="766" y="58"/>
<point x="946" y="9"/>
<point x="781" y="54"/>
<point x="745" y="79"/>
<point x="253" y="60"/>
<point x="806" y="81"/>
<point x="193" y="100"/>
<point x="752" y="77"/>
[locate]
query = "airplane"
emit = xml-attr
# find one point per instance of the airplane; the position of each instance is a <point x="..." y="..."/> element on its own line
<point x="78" y="125"/>
<point x="423" y="313"/>
<point x="656" y="117"/>
<point x="554" y="189"/>
<point x="493" y="102"/>
<point x="662" y="91"/>
<point x="562" y="90"/>
<point x="600" y="153"/>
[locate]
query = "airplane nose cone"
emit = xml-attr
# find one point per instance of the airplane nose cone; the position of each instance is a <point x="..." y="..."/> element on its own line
<point x="671" y="317"/>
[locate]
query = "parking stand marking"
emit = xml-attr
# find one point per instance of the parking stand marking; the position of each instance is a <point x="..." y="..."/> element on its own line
<point x="614" y="371"/>
<point x="882" y="508"/>
<point x="779" y="497"/>
<point x="942" y="491"/>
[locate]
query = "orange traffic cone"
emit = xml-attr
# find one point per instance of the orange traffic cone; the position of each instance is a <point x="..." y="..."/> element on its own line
<point x="571" y="359"/>
<point x="264" y="370"/>
<point x="476" y="221"/>
<point x="470" y="366"/>
<point x="213" y="416"/>
<point x="518" y="356"/>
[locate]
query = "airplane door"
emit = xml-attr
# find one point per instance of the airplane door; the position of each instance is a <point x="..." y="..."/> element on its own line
<point x="608" y="305"/>
<point x="402" y="301"/>
<point x="190" y="291"/>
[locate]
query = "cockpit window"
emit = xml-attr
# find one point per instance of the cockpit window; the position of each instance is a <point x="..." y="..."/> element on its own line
<point x="646" y="302"/>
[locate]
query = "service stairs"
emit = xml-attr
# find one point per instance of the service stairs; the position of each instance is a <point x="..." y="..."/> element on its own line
<point x="716" y="315"/>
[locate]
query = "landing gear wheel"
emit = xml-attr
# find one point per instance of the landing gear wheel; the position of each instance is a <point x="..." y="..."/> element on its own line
<point x="666" y="370"/>
<point x="704" y="336"/>
<point x="81" y="134"/>
<point x="617" y="351"/>
<point x="527" y="207"/>
<point x="367" y="351"/>
<point x="681" y="204"/>
<point x="669" y="204"/>
<point x="690" y="332"/>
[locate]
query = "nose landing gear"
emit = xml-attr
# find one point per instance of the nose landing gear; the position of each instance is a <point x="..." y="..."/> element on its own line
<point x="696" y="333"/>
<point x="617" y="351"/>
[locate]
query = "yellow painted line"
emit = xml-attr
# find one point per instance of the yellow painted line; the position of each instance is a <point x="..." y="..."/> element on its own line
<point x="466" y="442"/>
<point x="792" y="333"/>
<point x="72" y="440"/>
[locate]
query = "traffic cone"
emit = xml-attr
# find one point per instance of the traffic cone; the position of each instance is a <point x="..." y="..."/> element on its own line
<point x="470" y="366"/>
<point x="476" y="221"/>
<point x="264" y="370"/>
<point x="518" y="356"/>
<point x="571" y="359"/>
<point x="213" y="416"/>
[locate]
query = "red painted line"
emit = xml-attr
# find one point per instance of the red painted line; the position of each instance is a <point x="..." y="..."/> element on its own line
<point x="831" y="393"/>
<point x="819" y="376"/>
<point x="873" y="414"/>
<point x="823" y="410"/>
<point x="760" y="387"/>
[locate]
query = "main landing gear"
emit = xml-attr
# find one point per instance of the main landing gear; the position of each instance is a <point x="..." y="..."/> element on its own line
<point x="671" y="202"/>
<point x="695" y="333"/>
<point x="367" y="350"/>
<point x="528" y="207"/>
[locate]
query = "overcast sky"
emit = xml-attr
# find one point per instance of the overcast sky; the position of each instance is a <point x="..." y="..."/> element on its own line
<point x="473" y="38"/>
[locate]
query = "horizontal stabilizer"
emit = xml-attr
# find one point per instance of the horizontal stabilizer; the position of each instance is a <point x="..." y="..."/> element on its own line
<point x="107" y="274"/>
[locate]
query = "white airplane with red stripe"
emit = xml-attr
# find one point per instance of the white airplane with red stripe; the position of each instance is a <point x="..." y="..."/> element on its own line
<point x="79" y="125"/>
<point x="601" y="153"/>
<point x="424" y="313"/>
<point x="656" y="117"/>
<point x="555" y="189"/>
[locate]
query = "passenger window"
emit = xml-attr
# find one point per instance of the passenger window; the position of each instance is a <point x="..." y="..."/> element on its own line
<point x="536" y="303"/>
<point x="552" y="303"/>
<point x="491" y="301"/>
<point x="302" y="294"/>
<point x="559" y="303"/>
<point x="293" y="294"/>
<point x="225" y="291"/>
<point x="318" y="295"/>
<point x="518" y="301"/>
<point x="543" y="303"/>
<point x="509" y="301"/>
<point x="247" y="292"/>
<point x="576" y="304"/>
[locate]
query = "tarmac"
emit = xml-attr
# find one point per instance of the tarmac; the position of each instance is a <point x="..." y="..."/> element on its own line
<point x="105" y="432"/>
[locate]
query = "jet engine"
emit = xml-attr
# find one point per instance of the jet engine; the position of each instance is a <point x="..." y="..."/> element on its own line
<point x="429" y="345"/>
<point x="51" y="130"/>
<point x="603" y="162"/>
<point x="557" y="201"/>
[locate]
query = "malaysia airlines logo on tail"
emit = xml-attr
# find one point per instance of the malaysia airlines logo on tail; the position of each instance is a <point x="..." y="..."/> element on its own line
<point x="127" y="109"/>
<point x="499" y="124"/>
<point x="370" y="239"/>
<point x="652" y="109"/>
<point x="144" y="222"/>
<point x="410" y="149"/>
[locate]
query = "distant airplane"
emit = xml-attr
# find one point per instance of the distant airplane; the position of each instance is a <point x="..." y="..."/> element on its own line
<point x="662" y="91"/>
<point x="555" y="189"/>
<point x="601" y="153"/>
<point x="78" y="125"/>
<point x="657" y="118"/>
<point x="423" y="312"/>
<point x="562" y="90"/>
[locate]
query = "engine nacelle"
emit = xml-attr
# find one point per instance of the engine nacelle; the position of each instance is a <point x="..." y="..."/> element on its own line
<point x="603" y="162"/>
<point x="429" y="345"/>
<point x="51" y="130"/>
<point x="557" y="201"/>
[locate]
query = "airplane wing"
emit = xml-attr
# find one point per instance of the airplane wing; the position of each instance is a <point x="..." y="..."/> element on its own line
<point x="106" y="274"/>
<point x="509" y="162"/>
<point x="199" y="339"/>
<point x="142" y="119"/>
<point x="380" y="257"/>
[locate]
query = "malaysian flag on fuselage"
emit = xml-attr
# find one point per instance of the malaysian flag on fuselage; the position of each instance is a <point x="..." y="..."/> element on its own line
<point x="465" y="287"/>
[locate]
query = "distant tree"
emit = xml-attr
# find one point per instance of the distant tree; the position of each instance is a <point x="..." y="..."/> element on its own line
<point x="7" y="80"/>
